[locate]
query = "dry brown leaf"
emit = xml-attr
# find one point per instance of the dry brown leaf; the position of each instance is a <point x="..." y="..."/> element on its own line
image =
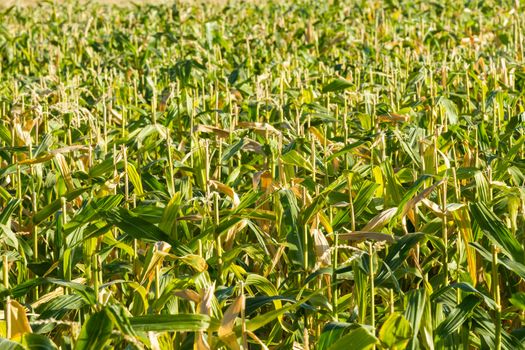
<point x="322" y="248"/>
<point x="362" y="235"/>
<point x="188" y="294"/>
<point x="410" y="205"/>
<point x="252" y="146"/>
<point x="206" y="299"/>
<point x="394" y="118"/>
<point x="257" y="340"/>
<point x="154" y="341"/>
<point x="200" y="342"/>
<point x="260" y="128"/>
<point x="228" y="241"/>
<point x="221" y="133"/>
<point x="380" y="220"/>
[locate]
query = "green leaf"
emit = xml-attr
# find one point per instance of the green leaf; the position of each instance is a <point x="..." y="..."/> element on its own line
<point x="8" y="210"/>
<point x="87" y="293"/>
<point x="6" y="344"/>
<point x="141" y="229"/>
<point x="359" y="338"/>
<point x="268" y="317"/>
<point x="134" y="177"/>
<point x="395" y="332"/>
<point x="34" y="341"/>
<point x="164" y="323"/>
<point x="518" y="300"/>
<point x="106" y="166"/>
<point x="297" y="159"/>
<point x="346" y="149"/>
<point x="397" y="255"/>
<point x="230" y="151"/>
<point x="496" y="231"/>
<point x="95" y="332"/>
<point x="451" y="110"/>
<point x="5" y="134"/>
<point x="332" y="332"/>
<point x="262" y="284"/>
<point x="458" y="316"/>
<point x="52" y="208"/>
<point x="337" y="85"/>
<point x="415" y="308"/>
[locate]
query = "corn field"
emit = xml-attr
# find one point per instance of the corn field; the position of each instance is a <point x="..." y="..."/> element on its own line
<point x="340" y="174"/>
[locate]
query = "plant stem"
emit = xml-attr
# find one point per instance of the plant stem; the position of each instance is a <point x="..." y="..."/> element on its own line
<point x="372" y="284"/>
<point x="496" y="296"/>
<point x="7" y="315"/>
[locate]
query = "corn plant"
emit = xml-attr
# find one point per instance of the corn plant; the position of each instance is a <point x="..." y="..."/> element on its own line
<point x="340" y="174"/>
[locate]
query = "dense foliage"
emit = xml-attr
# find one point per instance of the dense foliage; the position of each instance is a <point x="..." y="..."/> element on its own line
<point x="283" y="174"/>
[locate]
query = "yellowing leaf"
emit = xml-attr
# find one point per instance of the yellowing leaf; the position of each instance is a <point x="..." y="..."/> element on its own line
<point x="134" y="177"/>
<point x="228" y="320"/>
<point x="319" y="136"/>
<point x="160" y="251"/>
<point x="226" y="332"/>
<point x="64" y="170"/>
<point x="464" y="225"/>
<point x="19" y="322"/>
<point x="227" y="190"/>
<point x="195" y="261"/>
<point x="378" y="177"/>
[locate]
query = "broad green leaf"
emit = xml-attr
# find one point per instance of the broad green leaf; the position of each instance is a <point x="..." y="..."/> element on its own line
<point x="497" y="232"/>
<point x="96" y="332"/>
<point x="8" y="210"/>
<point x="395" y="332"/>
<point x="268" y="317"/>
<point x="397" y="255"/>
<point x="416" y="301"/>
<point x="518" y="300"/>
<point x="6" y="344"/>
<point x="458" y="316"/>
<point x="141" y="229"/>
<point x="337" y="85"/>
<point x="38" y="342"/>
<point x="165" y="323"/>
<point x="52" y="208"/>
<point x="359" y="338"/>
<point x="332" y="332"/>
<point x="134" y="177"/>
<point x="297" y="159"/>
